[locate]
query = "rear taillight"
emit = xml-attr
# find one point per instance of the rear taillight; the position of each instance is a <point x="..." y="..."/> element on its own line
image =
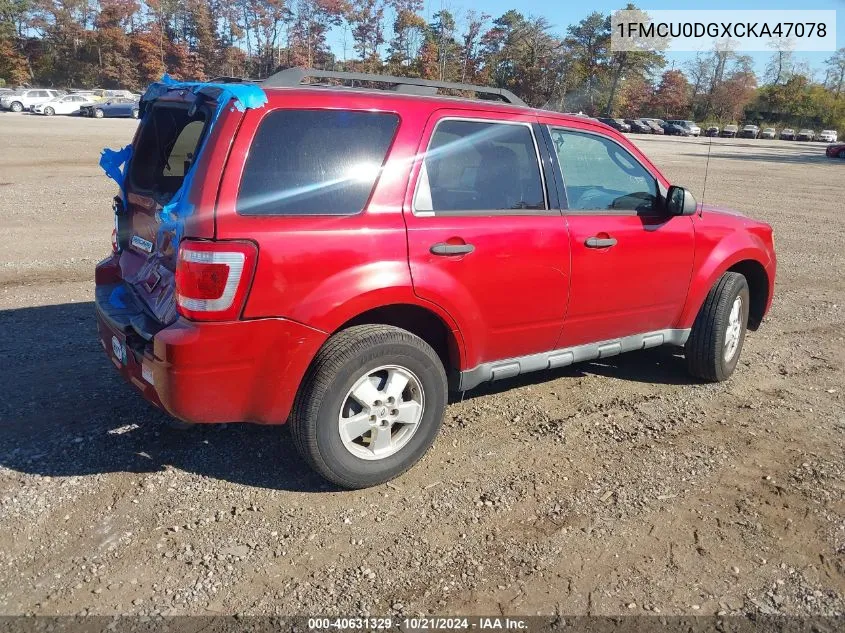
<point x="212" y="279"/>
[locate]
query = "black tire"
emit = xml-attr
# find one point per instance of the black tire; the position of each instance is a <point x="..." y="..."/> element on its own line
<point x="49" y="111"/>
<point x="705" y="347"/>
<point x="842" y="153"/>
<point x="98" y="114"/>
<point x="338" y="365"/>
<point x="16" y="106"/>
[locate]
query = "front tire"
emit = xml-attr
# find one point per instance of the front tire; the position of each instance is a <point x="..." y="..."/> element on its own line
<point x="135" y="113"/>
<point x="370" y="406"/>
<point x="49" y="111"/>
<point x="98" y="114"/>
<point x="842" y="153"/>
<point x="714" y="345"/>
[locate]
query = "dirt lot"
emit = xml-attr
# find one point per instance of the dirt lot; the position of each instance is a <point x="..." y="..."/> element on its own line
<point x="608" y="488"/>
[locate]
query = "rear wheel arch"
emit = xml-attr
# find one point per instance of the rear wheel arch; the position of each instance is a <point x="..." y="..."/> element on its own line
<point x="422" y="322"/>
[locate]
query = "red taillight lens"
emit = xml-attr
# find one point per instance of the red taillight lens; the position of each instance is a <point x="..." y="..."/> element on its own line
<point x="114" y="246"/>
<point x="212" y="279"/>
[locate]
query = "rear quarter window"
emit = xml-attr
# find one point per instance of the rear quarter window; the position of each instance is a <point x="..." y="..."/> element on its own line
<point x="315" y="162"/>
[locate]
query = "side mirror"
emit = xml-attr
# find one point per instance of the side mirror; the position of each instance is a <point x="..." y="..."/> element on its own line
<point x="680" y="201"/>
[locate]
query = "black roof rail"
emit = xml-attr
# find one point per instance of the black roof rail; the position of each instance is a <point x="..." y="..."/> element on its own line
<point x="230" y="80"/>
<point x="408" y="85"/>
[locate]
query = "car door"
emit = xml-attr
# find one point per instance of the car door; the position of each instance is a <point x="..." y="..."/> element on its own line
<point x="631" y="262"/>
<point x="483" y="241"/>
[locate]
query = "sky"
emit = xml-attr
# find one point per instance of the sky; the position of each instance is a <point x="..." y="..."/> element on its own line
<point x="562" y="13"/>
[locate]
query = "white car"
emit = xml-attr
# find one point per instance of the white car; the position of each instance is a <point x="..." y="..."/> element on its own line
<point x="69" y="104"/>
<point x="828" y="136"/>
<point x="26" y="99"/>
<point x="769" y="132"/>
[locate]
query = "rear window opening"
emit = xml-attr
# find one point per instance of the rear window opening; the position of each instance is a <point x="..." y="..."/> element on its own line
<point x="167" y="146"/>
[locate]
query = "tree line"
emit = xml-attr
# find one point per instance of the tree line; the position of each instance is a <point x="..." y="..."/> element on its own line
<point x="130" y="43"/>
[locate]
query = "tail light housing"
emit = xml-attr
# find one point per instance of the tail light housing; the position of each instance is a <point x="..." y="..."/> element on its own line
<point x="212" y="279"/>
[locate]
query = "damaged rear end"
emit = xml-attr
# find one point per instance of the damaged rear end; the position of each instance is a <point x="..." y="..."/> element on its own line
<point x="167" y="272"/>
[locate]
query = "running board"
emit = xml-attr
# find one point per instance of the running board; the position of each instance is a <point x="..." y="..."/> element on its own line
<point x="500" y="369"/>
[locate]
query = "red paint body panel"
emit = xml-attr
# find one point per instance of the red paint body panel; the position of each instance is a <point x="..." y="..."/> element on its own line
<point x="638" y="285"/>
<point x="529" y="286"/>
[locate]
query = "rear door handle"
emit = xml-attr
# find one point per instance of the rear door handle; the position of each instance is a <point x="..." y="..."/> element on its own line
<point x="442" y="248"/>
<point x="600" y="242"/>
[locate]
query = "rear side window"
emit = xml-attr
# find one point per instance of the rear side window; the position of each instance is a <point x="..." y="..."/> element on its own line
<point x="480" y="166"/>
<point x="315" y="162"/>
<point x="167" y="146"/>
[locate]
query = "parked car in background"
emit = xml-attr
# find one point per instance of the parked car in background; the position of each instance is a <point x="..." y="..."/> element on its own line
<point x="120" y="107"/>
<point x="68" y="104"/>
<point x="273" y="308"/>
<point x="616" y="124"/>
<point x="806" y="135"/>
<point x="688" y="128"/>
<point x="787" y="134"/>
<point x="836" y="150"/>
<point x="102" y="94"/>
<point x="769" y="133"/>
<point x="828" y="136"/>
<point x="655" y="126"/>
<point x="21" y="100"/>
<point x="749" y="131"/>
<point x="729" y="131"/>
<point x="638" y="126"/>
<point x="712" y="130"/>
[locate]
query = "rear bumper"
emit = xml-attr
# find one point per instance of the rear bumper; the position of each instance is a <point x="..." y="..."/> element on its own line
<point x="237" y="371"/>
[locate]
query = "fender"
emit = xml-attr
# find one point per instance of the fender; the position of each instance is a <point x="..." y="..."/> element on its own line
<point x="712" y="260"/>
<point x="352" y="292"/>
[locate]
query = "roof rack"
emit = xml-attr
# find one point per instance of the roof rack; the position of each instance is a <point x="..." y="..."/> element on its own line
<point x="406" y="85"/>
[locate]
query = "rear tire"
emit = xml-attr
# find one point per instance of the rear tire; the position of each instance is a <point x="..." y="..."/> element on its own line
<point x="842" y="153"/>
<point x="362" y="440"/>
<point x="16" y="106"/>
<point x="715" y="343"/>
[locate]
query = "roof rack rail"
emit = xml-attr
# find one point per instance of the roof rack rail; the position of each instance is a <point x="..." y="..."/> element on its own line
<point x="230" y="80"/>
<point x="408" y="85"/>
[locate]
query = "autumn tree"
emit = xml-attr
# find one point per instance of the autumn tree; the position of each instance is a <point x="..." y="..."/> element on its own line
<point x="636" y="66"/>
<point x="671" y="98"/>
<point x="366" y="19"/>
<point x="588" y="44"/>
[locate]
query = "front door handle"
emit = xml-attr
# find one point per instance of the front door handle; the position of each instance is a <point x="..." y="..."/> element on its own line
<point x="600" y="242"/>
<point x="443" y="248"/>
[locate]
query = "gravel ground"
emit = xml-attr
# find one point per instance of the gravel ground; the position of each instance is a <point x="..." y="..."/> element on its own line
<point x="616" y="487"/>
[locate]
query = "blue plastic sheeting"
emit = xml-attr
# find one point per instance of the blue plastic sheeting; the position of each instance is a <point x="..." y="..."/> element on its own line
<point x="116" y="163"/>
<point x="245" y="95"/>
<point x="116" y="297"/>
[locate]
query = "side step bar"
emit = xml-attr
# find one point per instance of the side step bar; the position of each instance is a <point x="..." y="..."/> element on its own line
<point x="500" y="369"/>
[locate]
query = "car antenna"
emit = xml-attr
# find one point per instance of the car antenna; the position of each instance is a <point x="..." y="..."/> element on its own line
<point x="706" y="170"/>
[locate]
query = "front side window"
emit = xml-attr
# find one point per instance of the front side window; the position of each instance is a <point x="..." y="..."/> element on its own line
<point x="599" y="174"/>
<point x="480" y="166"/>
<point x="315" y="162"/>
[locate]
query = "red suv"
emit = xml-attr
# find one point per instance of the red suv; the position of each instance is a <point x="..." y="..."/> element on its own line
<point x="340" y="258"/>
